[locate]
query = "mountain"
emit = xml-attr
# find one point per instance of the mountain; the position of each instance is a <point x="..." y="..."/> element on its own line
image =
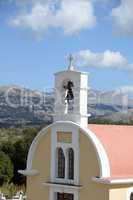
<point x="21" y="106"/>
<point x="112" y="105"/>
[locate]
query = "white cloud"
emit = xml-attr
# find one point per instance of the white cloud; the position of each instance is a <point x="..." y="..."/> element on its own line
<point x="71" y="16"/>
<point x="123" y="17"/>
<point x="127" y="90"/>
<point x="106" y="59"/>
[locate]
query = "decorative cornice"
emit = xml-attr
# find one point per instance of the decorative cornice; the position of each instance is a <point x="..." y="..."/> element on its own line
<point x="113" y="181"/>
<point x="62" y="185"/>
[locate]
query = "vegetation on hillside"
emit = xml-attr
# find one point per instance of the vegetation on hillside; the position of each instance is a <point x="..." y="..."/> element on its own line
<point x="108" y="121"/>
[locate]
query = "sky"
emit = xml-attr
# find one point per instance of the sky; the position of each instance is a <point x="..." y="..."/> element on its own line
<point x="36" y="37"/>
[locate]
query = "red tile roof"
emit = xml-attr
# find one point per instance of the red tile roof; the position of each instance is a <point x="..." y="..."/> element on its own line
<point x="118" y="143"/>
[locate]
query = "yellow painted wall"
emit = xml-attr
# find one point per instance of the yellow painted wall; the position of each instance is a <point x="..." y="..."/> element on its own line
<point x="118" y="194"/>
<point x="88" y="168"/>
<point x="41" y="162"/>
<point x="64" y="137"/>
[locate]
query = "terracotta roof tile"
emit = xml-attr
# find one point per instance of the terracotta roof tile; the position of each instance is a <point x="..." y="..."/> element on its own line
<point x="118" y="143"/>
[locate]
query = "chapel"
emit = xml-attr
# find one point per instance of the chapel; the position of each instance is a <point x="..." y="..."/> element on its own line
<point x="73" y="160"/>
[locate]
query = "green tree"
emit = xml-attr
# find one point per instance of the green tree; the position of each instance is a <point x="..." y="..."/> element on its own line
<point x="17" y="151"/>
<point x="6" y="168"/>
<point x="8" y="148"/>
<point x="21" y="148"/>
<point x="29" y="135"/>
<point x="19" y="161"/>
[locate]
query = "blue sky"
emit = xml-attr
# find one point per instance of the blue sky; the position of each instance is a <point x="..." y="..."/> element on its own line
<point x="30" y="52"/>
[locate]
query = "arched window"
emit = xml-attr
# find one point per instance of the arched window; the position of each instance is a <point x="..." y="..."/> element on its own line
<point x="61" y="163"/>
<point x="71" y="164"/>
<point x="131" y="196"/>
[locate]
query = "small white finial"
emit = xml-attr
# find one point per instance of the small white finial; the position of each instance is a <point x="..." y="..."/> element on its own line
<point x="71" y="60"/>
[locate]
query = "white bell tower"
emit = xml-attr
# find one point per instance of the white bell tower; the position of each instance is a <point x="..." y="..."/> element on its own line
<point x="71" y="95"/>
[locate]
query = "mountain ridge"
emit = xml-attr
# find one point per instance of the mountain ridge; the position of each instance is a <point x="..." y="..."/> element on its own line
<point x="20" y="106"/>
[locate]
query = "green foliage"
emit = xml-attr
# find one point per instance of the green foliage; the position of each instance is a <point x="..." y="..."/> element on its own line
<point x="6" y="168"/>
<point x="8" y="148"/>
<point x="10" y="134"/>
<point x="19" y="160"/>
<point x="29" y="134"/>
<point x="108" y="121"/>
<point x="17" y="151"/>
